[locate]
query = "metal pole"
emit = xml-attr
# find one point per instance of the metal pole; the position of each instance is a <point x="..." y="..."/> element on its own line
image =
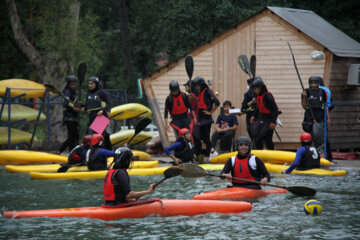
<point x="325" y="129"/>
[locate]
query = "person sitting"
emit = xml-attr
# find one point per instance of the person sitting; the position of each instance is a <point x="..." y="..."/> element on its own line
<point x="246" y="166"/>
<point x="78" y="154"/>
<point x="307" y="156"/>
<point x="183" y="148"/>
<point x="96" y="156"/>
<point x="117" y="182"/>
<point x="226" y="125"/>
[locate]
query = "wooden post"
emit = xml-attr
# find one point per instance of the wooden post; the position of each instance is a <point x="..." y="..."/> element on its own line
<point x="156" y="112"/>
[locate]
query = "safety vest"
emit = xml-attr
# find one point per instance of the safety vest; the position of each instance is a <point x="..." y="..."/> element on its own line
<point x="260" y="103"/>
<point x="315" y="98"/>
<point x="201" y="102"/>
<point x="111" y="186"/>
<point x="186" y="153"/>
<point x="178" y="106"/>
<point x="94" y="101"/>
<point x="241" y="169"/>
<point x="311" y="159"/>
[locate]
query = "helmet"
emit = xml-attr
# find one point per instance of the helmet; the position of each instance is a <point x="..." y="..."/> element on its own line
<point x="86" y="139"/>
<point x="183" y="131"/>
<point x="71" y="78"/>
<point x="199" y="81"/>
<point x="96" y="140"/>
<point x="257" y="82"/>
<point x="242" y="140"/>
<point x="174" y="85"/>
<point x="94" y="79"/>
<point x="305" y="138"/>
<point x="122" y="158"/>
<point x="315" y="79"/>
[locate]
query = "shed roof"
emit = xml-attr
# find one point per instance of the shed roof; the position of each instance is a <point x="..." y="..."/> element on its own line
<point x="319" y="30"/>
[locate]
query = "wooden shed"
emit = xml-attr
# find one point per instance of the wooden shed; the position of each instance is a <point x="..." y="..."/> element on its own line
<point x="265" y="34"/>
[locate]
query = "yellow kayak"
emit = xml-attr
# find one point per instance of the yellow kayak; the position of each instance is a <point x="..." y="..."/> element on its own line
<point x="55" y="167"/>
<point x="20" y="86"/>
<point x="123" y="137"/>
<point x="129" y="110"/>
<point x="19" y="112"/>
<point x="17" y="136"/>
<point x="267" y="156"/>
<point x="101" y="174"/>
<point x="276" y="168"/>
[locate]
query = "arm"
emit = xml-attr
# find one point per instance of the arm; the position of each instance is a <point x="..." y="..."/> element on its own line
<point x="136" y="195"/>
<point x="106" y="153"/>
<point x="166" y="112"/>
<point x="299" y="155"/>
<point x="272" y="106"/>
<point x="303" y="99"/>
<point x="176" y="145"/>
<point x="262" y="171"/>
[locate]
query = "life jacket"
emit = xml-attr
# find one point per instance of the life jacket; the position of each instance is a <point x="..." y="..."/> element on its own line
<point x="94" y="161"/>
<point x="186" y="153"/>
<point x="241" y="168"/>
<point x="112" y="191"/>
<point x="70" y="115"/>
<point x="311" y="159"/>
<point x="94" y="101"/>
<point x="315" y="98"/>
<point x="177" y="104"/>
<point x="77" y="154"/>
<point x="260" y="103"/>
<point x="201" y="101"/>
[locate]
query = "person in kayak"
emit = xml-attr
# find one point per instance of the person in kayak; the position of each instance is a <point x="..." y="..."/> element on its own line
<point x="96" y="156"/>
<point x="97" y="104"/>
<point x="183" y="148"/>
<point x="246" y="166"/>
<point x="78" y="153"/>
<point x="177" y="103"/>
<point x="117" y="182"/>
<point x="265" y="116"/>
<point x="307" y="156"/>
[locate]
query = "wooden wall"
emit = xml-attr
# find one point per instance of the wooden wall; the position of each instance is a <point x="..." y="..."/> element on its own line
<point x="344" y="131"/>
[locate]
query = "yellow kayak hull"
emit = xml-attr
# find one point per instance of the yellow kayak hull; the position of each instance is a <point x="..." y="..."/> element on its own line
<point x="122" y="137"/>
<point x="267" y="156"/>
<point x="129" y="110"/>
<point x="17" y="136"/>
<point x="20" y="86"/>
<point x="19" y="112"/>
<point x="276" y="168"/>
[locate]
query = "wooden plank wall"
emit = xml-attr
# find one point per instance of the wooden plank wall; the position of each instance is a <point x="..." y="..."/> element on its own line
<point x="275" y="66"/>
<point x="344" y="131"/>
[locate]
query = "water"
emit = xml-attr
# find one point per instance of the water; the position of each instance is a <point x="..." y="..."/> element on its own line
<point x="277" y="216"/>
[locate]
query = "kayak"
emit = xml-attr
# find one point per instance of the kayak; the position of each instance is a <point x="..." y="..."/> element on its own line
<point x="123" y="137"/>
<point x="236" y="193"/>
<point x="268" y="156"/>
<point x="276" y="168"/>
<point x="20" y="86"/>
<point x="101" y="174"/>
<point x="19" y="112"/>
<point x="28" y="157"/>
<point x="17" y="136"/>
<point x="129" y="110"/>
<point x="55" y="167"/>
<point x="161" y="207"/>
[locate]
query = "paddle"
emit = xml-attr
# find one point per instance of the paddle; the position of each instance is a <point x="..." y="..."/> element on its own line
<point x="244" y="64"/>
<point x="318" y="130"/>
<point x="81" y="76"/>
<point x="253" y="65"/>
<point x="195" y="171"/>
<point x="140" y="126"/>
<point x="189" y="66"/>
<point x="169" y="173"/>
<point x="65" y="167"/>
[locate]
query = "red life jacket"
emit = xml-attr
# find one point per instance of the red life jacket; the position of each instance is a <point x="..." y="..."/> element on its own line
<point x="109" y="190"/>
<point x="201" y="102"/>
<point x="241" y="170"/>
<point x="178" y="106"/>
<point x="260" y="103"/>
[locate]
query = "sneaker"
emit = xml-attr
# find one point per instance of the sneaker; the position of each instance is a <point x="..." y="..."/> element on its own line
<point x="213" y="154"/>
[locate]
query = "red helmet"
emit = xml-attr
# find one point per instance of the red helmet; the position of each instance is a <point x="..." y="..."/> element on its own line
<point x="305" y="138"/>
<point x="183" y="131"/>
<point x="86" y="139"/>
<point x="97" y="139"/>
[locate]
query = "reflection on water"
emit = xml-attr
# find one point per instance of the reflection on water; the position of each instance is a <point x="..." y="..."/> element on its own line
<point x="277" y="216"/>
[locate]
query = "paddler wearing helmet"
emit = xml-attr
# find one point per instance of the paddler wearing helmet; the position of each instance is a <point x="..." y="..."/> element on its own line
<point x="307" y="156"/>
<point x="78" y="154"/>
<point x="183" y="148"/>
<point x="245" y="165"/>
<point x="96" y="156"/>
<point x="117" y="189"/>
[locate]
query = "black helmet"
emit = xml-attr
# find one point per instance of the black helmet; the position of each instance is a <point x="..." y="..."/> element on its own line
<point x="174" y="85"/>
<point x="316" y="79"/>
<point x="122" y="158"/>
<point x="71" y="78"/>
<point x="199" y="81"/>
<point x="94" y="79"/>
<point x="257" y="82"/>
<point x="242" y="140"/>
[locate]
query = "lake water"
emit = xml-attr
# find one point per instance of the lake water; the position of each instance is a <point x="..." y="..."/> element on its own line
<point x="277" y="216"/>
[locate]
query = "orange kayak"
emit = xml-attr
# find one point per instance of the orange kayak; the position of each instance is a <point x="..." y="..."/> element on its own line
<point x="159" y="207"/>
<point x="236" y="193"/>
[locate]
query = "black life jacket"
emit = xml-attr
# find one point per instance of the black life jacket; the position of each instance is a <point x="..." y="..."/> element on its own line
<point x="78" y="154"/>
<point x="177" y="104"/>
<point x="112" y="190"/>
<point x="70" y="115"/>
<point x="315" y="98"/>
<point x="311" y="159"/>
<point x="94" y="161"/>
<point x="186" y="153"/>
<point x="94" y="101"/>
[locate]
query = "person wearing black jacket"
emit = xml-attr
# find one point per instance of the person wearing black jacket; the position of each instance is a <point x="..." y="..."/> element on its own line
<point x="97" y="104"/>
<point x="265" y="115"/>
<point x="207" y="104"/>
<point x="245" y="166"/>
<point x="248" y="106"/>
<point x="70" y="114"/>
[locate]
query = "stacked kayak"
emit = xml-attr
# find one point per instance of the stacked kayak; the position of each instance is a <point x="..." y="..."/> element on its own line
<point x="161" y="207"/>
<point x="267" y="156"/>
<point x="236" y="193"/>
<point x="19" y="112"/>
<point x="276" y="168"/>
<point x="123" y="137"/>
<point x="129" y="110"/>
<point x="101" y="174"/>
<point x="20" y="86"/>
<point x="17" y="136"/>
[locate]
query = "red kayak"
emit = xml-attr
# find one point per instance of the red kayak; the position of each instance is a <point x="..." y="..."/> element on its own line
<point x="151" y="207"/>
<point x="235" y="193"/>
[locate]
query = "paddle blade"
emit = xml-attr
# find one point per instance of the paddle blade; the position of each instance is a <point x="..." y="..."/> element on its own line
<point x="244" y="64"/>
<point x="253" y="65"/>
<point x="63" y="168"/>
<point x="81" y="72"/>
<point x="173" y="172"/>
<point x="140" y="126"/>
<point x="192" y="171"/>
<point x="189" y="66"/>
<point x="318" y="133"/>
<point x="301" y="191"/>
